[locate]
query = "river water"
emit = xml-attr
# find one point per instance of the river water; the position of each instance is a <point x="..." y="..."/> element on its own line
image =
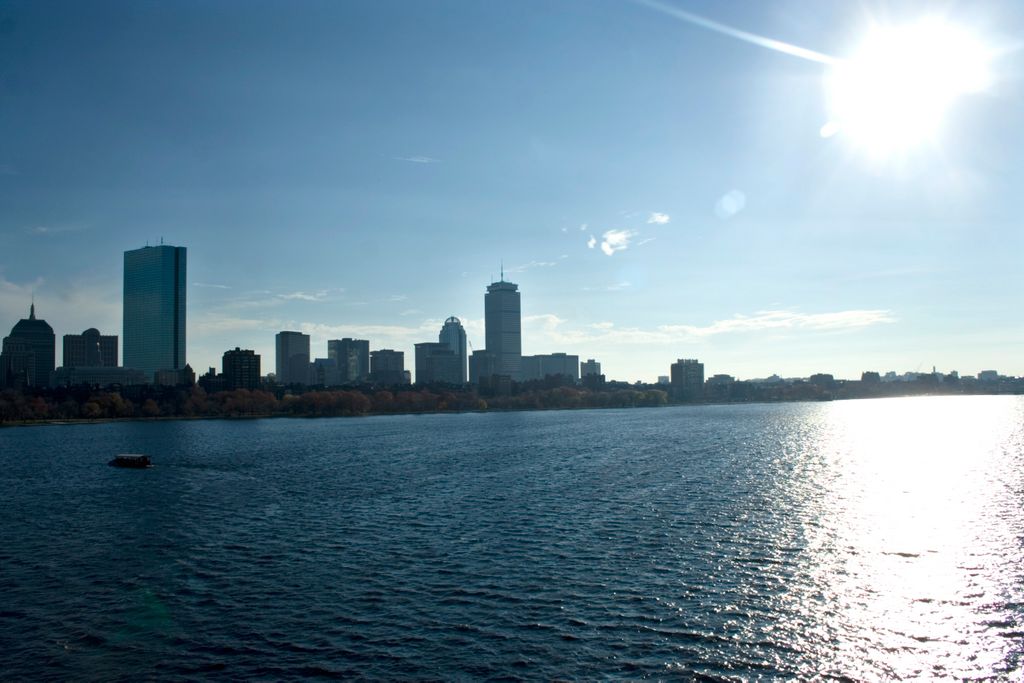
<point x="857" y="540"/>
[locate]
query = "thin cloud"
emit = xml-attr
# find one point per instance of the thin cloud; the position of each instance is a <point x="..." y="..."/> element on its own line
<point x="645" y="241"/>
<point x="616" y="287"/>
<point x="209" y="285"/>
<point x="44" y="230"/>
<point x="419" y="160"/>
<point x="304" y="296"/>
<point x="397" y="297"/>
<point x="592" y="242"/>
<point x="774" y="320"/>
<point x="658" y="218"/>
<point x="531" y="264"/>
<point x="778" y="320"/>
<point x="616" y="240"/>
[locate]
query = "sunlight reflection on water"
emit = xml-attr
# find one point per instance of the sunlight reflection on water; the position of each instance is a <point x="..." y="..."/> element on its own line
<point x="864" y="540"/>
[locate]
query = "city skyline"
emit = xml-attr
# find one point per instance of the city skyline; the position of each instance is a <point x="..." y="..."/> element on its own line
<point x="565" y="143"/>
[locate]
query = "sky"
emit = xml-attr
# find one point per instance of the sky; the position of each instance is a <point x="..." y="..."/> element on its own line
<point x="658" y="189"/>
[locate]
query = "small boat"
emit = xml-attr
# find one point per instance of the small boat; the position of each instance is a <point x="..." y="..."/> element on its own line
<point x="132" y="461"/>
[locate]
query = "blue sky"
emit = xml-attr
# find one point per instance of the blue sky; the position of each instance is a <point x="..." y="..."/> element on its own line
<point x="658" y="190"/>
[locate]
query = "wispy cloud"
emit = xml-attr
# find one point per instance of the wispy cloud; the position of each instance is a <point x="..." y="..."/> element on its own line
<point x="779" y="320"/>
<point x="44" y="230"/>
<point x="645" y="241"/>
<point x="616" y="287"/>
<point x="769" y="320"/>
<point x="616" y="240"/>
<point x="419" y="160"/>
<point x="304" y="296"/>
<point x="410" y="311"/>
<point x="658" y="218"/>
<point x="531" y="264"/>
<point x="583" y="227"/>
<point x="397" y="297"/>
<point x="209" y="285"/>
<point x="592" y="242"/>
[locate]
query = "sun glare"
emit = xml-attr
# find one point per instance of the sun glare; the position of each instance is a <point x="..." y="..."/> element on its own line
<point x="893" y="94"/>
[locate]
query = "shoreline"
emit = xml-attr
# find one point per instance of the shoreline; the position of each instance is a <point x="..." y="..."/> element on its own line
<point x="49" y="422"/>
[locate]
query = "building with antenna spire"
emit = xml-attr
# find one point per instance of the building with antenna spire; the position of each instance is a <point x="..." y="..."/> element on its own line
<point x="503" y="328"/>
<point x="28" y="354"/>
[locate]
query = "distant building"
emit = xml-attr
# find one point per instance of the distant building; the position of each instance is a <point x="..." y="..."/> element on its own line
<point x="454" y="335"/>
<point x="184" y="377"/>
<point x="590" y="367"/>
<point x="664" y="379"/>
<point x="241" y="369"/>
<point x="687" y="379"/>
<point x="823" y="380"/>
<point x="503" y="327"/>
<point x="98" y="376"/>
<point x="550" y="365"/>
<point x="482" y="365"/>
<point x="870" y="377"/>
<point x="988" y="376"/>
<point x="387" y="366"/>
<point x="717" y="380"/>
<point x="90" y="350"/>
<point x="154" y="308"/>
<point x="292" y="358"/>
<point x="325" y="372"/>
<point x="352" y="357"/>
<point x="27" y="356"/>
<point x="437" y="362"/>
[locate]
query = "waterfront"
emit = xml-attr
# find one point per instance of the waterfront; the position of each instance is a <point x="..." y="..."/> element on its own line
<point x="867" y="539"/>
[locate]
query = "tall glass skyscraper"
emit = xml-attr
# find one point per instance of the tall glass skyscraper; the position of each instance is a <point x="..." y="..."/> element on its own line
<point x="154" y="309"/>
<point x="503" y="327"/>
<point x="454" y="335"/>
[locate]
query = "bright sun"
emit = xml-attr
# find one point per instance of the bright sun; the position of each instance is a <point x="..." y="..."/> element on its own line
<point x="893" y="93"/>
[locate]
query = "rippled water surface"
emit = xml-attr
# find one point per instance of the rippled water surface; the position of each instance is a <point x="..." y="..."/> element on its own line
<point x="865" y="540"/>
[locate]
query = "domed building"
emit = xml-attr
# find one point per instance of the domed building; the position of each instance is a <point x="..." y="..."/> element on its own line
<point x="28" y="354"/>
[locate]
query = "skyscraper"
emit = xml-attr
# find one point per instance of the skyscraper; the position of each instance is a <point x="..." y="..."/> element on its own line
<point x="292" y="358"/>
<point x="27" y="354"/>
<point x="90" y="350"/>
<point x="352" y="357"/>
<point x="154" y="309"/>
<point x="503" y="327"/>
<point x="454" y="335"/>
<point x="437" y="362"/>
<point x="387" y="366"/>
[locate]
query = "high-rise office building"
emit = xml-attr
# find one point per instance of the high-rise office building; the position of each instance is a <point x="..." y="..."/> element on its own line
<point x="454" y="335"/>
<point x="546" y="365"/>
<point x="90" y="350"/>
<point x="688" y="379"/>
<point x="482" y="365"/>
<point x="352" y="357"/>
<point x="241" y="369"/>
<point x="292" y="358"/>
<point x="387" y="366"/>
<point x="28" y="353"/>
<point x="437" y="362"/>
<point x="590" y="367"/>
<point x="503" y="327"/>
<point x="154" y="309"/>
